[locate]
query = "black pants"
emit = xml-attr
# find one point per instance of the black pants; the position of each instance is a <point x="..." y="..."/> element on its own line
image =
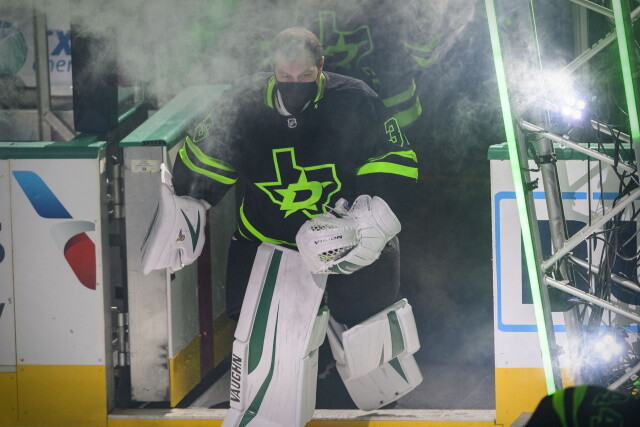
<point x="351" y="298"/>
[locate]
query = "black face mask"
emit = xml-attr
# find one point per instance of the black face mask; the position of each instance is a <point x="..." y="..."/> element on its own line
<point x="296" y="94"/>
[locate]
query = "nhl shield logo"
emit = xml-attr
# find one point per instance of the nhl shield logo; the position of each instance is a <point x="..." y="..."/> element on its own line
<point x="292" y="122"/>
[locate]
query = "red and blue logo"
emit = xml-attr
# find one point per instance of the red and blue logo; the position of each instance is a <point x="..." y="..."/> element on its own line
<point x="78" y="249"/>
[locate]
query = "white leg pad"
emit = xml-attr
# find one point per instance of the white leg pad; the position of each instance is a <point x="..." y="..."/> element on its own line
<point x="375" y="358"/>
<point x="386" y="384"/>
<point x="275" y="355"/>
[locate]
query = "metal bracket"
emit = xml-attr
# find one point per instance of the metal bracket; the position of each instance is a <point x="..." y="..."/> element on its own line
<point x="547" y="158"/>
<point x="120" y="343"/>
<point x="532" y="185"/>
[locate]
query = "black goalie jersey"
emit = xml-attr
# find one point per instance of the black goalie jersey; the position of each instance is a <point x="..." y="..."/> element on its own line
<point x="295" y="167"/>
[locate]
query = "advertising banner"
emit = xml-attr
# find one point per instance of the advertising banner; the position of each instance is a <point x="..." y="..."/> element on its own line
<point x="17" y="48"/>
<point x="57" y="251"/>
<point x="516" y="338"/>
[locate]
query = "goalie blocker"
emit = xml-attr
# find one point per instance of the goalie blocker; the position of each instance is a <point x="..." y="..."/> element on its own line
<point x="175" y="237"/>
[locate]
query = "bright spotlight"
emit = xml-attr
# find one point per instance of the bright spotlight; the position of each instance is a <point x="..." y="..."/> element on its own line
<point x="608" y="347"/>
<point x="615" y="347"/>
<point x="572" y="109"/>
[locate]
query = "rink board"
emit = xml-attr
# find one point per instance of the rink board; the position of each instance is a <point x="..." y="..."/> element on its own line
<point x="54" y="316"/>
<point x="586" y="188"/>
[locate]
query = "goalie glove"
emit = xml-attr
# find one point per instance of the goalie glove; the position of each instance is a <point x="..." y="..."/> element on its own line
<point x="176" y="235"/>
<point x="346" y="244"/>
<point x="324" y="240"/>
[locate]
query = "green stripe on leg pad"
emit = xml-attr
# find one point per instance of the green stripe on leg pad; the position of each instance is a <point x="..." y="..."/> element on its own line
<point x="254" y="407"/>
<point x="395" y="364"/>
<point x="397" y="341"/>
<point x="256" y="341"/>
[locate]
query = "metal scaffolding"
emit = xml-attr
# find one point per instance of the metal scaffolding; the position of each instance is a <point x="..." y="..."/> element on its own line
<point x="47" y="119"/>
<point x="560" y="269"/>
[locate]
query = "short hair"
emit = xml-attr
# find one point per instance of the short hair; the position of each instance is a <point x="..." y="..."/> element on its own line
<point x="291" y="41"/>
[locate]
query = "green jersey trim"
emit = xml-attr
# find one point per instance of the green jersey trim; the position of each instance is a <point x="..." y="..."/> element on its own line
<point x="391" y="168"/>
<point x="321" y="86"/>
<point x="421" y="50"/>
<point x="374" y="165"/>
<point x="557" y="400"/>
<point x="401" y="97"/>
<point x="216" y="177"/>
<point x="268" y="96"/>
<point x="578" y="396"/>
<point x="410" y="154"/>
<point x="410" y="115"/>
<point x="210" y="161"/>
<point x="424" y="48"/>
<point x="256" y="233"/>
<point x="242" y="233"/>
<point x="423" y="62"/>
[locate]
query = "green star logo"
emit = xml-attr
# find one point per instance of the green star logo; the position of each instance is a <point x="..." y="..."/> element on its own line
<point x="203" y="129"/>
<point x="344" y="48"/>
<point x="297" y="188"/>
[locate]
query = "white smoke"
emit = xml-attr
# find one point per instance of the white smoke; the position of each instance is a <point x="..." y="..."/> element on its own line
<point x="167" y="45"/>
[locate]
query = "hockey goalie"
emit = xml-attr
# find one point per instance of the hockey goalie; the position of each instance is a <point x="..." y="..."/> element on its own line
<point x="304" y="263"/>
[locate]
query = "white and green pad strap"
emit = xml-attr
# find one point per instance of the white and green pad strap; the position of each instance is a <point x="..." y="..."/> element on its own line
<point x="274" y="363"/>
<point x="375" y="358"/>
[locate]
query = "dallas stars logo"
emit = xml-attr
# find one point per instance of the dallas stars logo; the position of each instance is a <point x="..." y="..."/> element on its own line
<point x="297" y="188"/>
<point x="343" y="47"/>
